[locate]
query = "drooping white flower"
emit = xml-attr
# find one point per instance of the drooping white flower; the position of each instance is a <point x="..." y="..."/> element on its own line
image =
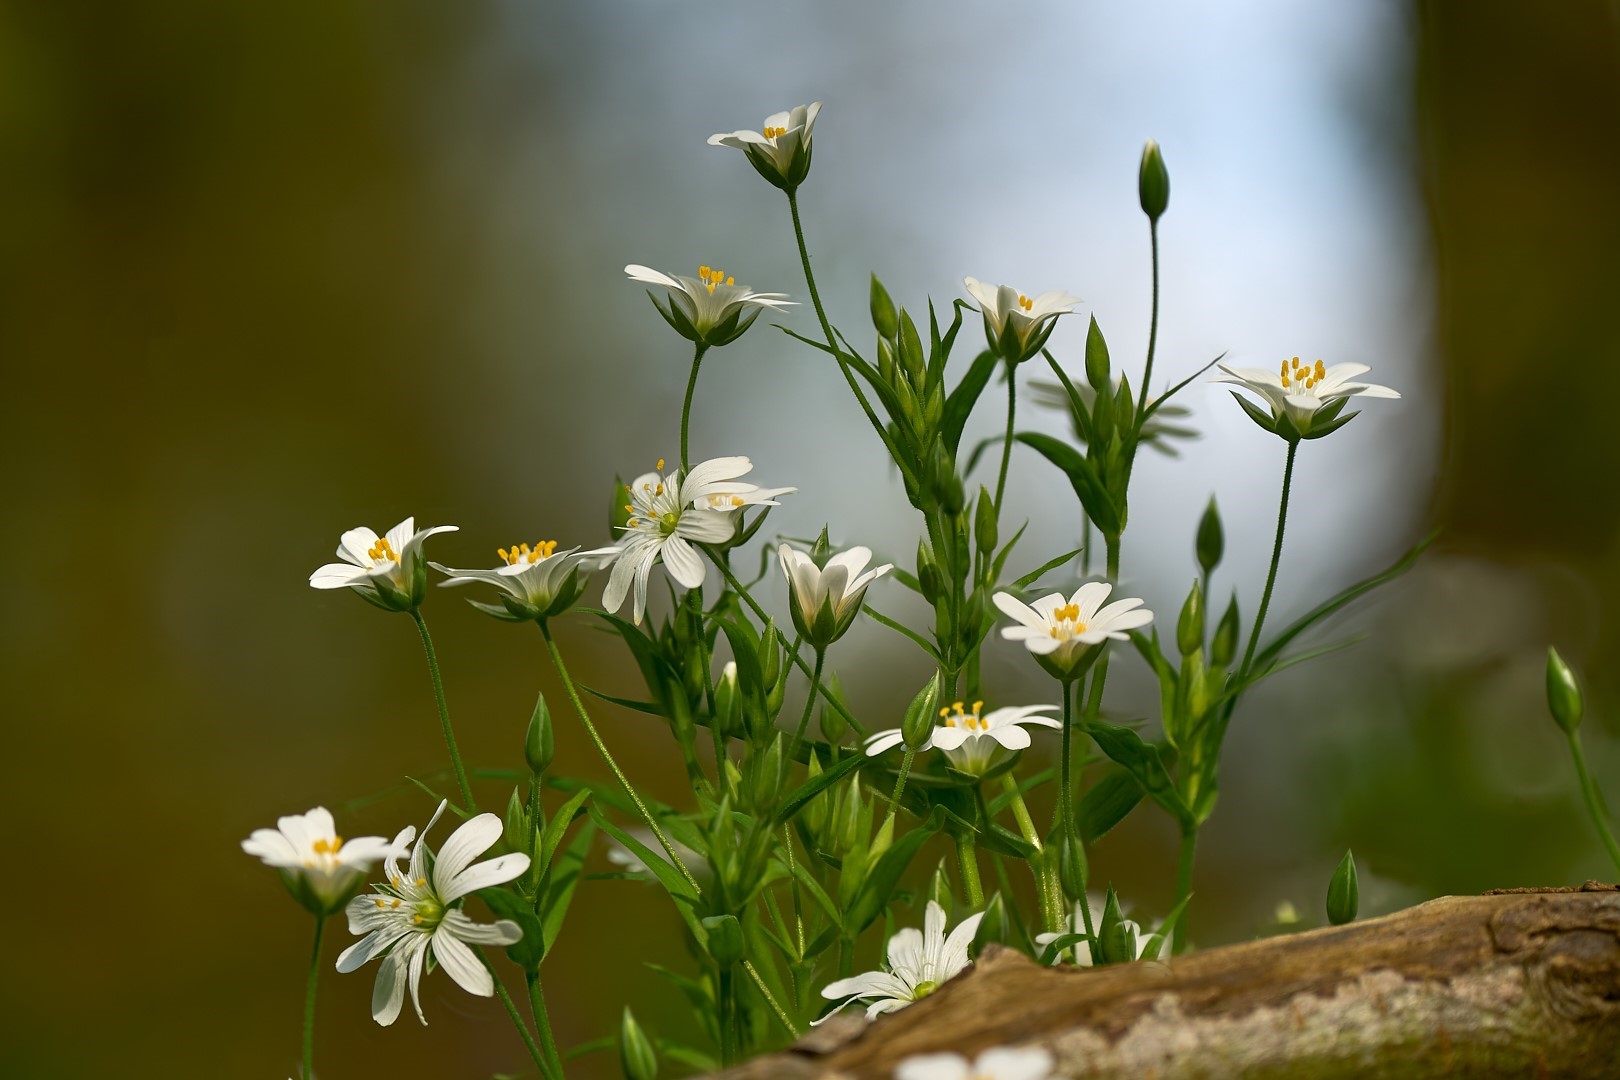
<point x="972" y="741"/>
<point x="319" y="867"/>
<point x="414" y="921"/>
<point x="999" y="1063"/>
<point x="825" y="600"/>
<point x="919" y="962"/>
<point x="387" y="570"/>
<point x="668" y="514"/>
<point x="1305" y="399"/>
<point x="535" y="582"/>
<point x="1017" y="325"/>
<point x="780" y="152"/>
<point x="1063" y="633"/>
<point x="1148" y="946"/>
<point x="710" y="308"/>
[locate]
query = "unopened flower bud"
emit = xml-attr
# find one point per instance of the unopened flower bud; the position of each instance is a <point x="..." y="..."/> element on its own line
<point x="1190" y="626"/>
<point x="619" y="512"/>
<point x="1098" y="372"/>
<point x="927" y="573"/>
<point x="920" y="714"/>
<point x="833" y="725"/>
<point x="725" y="939"/>
<point x="984" y="523"/>
<point x="539" y="745"/>
<point x="1224" y="648"/>
<point x="1073" y="867"/>
<point x="515" y="823"/>
<point x="637" y="1057"/>
<point x="727" y="701"/>
<point x="884" y="317"/>
<point x="1563" y="693"/>
<point x="912" y="358"/>
<point x="1343" y="895"/>
<point x="1153" y="182"/>
<point x="1211" y="543"/>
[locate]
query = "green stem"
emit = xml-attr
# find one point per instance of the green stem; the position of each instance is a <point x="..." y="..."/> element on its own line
<point x="1066" y="810"/>
<point x="517" y="1021"/>
<point x="776" y="1006"/>
<point x="1153" y="321"/>
<point x="309" y="999"/>
<point x="1271" y="574"/>
<point x="1006" y="446"/>
<point x="444" y="712"/>
<point x="537" y="1006"/>
<point x="728" y="1005"/>
<point x="1046" y="883"/>
<point x="900" y="783"/>
<point x="809" y="704"/>
<point x="1594" y="802"/>
<point x="618" y="773"/>
<point x="1184" y="874"/>
<point x="970" y="871"/>
<point x="686" y="406"/>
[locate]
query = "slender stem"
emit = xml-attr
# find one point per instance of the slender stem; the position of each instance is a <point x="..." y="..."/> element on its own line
<point x="686" y="406"/>
<point x="798" y="902"/>
<point x="809" y="704"/>
<point x="846" y="957"/>
<point x="309" y="999"/>
<point x="1066" y="809"/>
<point x="965" y="855"/>
<point x="1594" y="802"/>
<point x="517" y="1021"/>
<point x="618" y="773"/>
<point x="537" y="1006"/>
<point x="900" y="782"/>
<point x="776" y="1006"/>
<point x="1153" y="321"/>
<point x="1184" y="873"/>
<point x="1006" y="446"/>
<point x="1026" y="824"/>
<point x="1046" y="883"/>
<point x="444" y="712"/>
<point x="1276" y="557"/>
<point x="728" y="1005"/>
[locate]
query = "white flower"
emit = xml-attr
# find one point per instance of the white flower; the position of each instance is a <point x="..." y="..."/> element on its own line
<point x="1148" y="946"/>
<point x="670" y="513"/>
<point x="919" y="962"/>
<point x="410" y="921"/>
<point x="321" y="869"/>
<point x="1299" y="394"/>
<point x="1000" y="1063"/>
<point x="825" y="600"/>
<point x="1017" y="325"/>
<point x="709" y="308"/>
<point x="535" y="582"/>
<point x="386" y="570"/>
<point x="781" y="151"/>
<point x="1062" y="633"/>
<point x="970" y="740"/>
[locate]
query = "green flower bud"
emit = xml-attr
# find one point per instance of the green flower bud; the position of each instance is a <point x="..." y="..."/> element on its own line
<point x="725" y="939"/>
<point x="832" y="723"/>
<point x="886" y="363"/>
<point x="1224" y="648"/>
<point x="1153" y="182"/>
<point x="912" y="357"/>
<point x="1563" y="693"/>
<point x="1211" y="541"/>
<point x="939" y="887"/>
<point x="1073" y="867"/>
<point x="984" y="523"/>
<point x="944" y="483"/>
<point x="636" y="1054"/>
<point x="884" y="317"/>
<point x="1111" y="931"/>
<point x="766" y="789"/>
<point x="927" y="573"/>
<point x="1343" y="896"/>
<point x="812" y="818"/>
<point x="515" y="823"/>
<point x="920" y="714"/>
<point x="539" y="745"/>
<point x="1097" y="366"/>
<point x="1190" y="626"/>
<point x="727" y="701"/>
<point x="996" y="926"/>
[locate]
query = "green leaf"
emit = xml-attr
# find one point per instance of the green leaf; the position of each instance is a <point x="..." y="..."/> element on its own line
<point x="551" y="839"/>
<point x="882" y="878"/>
<point x="506" y="904"/>
<point x="648" y="707"/>
<point x="922" y="643"/>
<point x="565" y="874"/>
<point x="670" y="878"/>
<point x="1082" y="477"/>
<point x="1142" y="759"/>
<point x="1077" y="402"/>
<point x="959" y="405"/>
<point x="1049" y="565"/>
<point x="1106" y="803"/>
<point x="815" y="786"/>
<point x="1160" y="402"/>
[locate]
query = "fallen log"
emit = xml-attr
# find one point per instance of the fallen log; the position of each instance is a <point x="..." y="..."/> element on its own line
<point x="1522" y="983"/>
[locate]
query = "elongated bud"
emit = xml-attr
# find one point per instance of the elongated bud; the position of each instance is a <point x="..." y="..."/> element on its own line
<point x="1224" y="648"/>
<point x="996" y="926"/>
<point x="911" y="352"/>
<point x="1073" y="867"/>
<point x="813" y="817"/>
<point x="1343" y="896"/>
<point x="636" y="1054"/>
<point x="515" y="823"/>
<point x="1211" y="542"/>
<point x="927" y="573"/>
<point x="725" y="939"/>
<point x="1111" y="931"/>
<point x="944" y="482"/>
<point x="884" y="317"/>
<point x="984" y="523"/>
<point x="1098" y="372"/>
<point x="727" y="701"/>
<point x="1153" y="182"/>
<point x="919" y="721"/>
<point x="1190" y="627"/>
<point x="939" y="888"/>
<point x="886" y="363"/>
<point x="1563" y="693"/>
<point x="770" y="657"/>
<point x="767" y="779"/>
<point x="821" y="550"/>
<point x="539" y="744"/>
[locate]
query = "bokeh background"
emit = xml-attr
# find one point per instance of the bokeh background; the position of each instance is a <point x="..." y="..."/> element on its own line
<point x="269" y="274"/>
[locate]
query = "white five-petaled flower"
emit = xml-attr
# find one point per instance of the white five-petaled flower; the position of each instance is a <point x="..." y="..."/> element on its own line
<point x="973" y="741"/>
<point x="710" y="308"/>
<point x="386" y="570"/>
<point x="321" y="869"/>
<point x="412" y="921"/>
<point x="1017" y="325"/>
<point x="1297" y="392"/>
<point x="535" y="582"/>
<point x="919" y="962"/>
<point x="1063" y="632"/>
<point x="670" y="513"/>
<point x="780" y="151"/>
<point x="825" y="600"/>
<point x="1000" y="1063"/>
<point x="1148" y="946"/>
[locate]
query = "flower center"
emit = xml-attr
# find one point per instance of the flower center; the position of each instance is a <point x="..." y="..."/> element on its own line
<point x="1066" y="622"/>
<point x="923" y="989"/>
<point x="383" y="551"/>
<point x="1307" y="375"/>
<point x="722" y="502"/>
<point x="522" y="553"/>
<point x="711" y="278"/>
<point x="774" y="132"/>
<point x="968" y="721"/>
<point x="667" y="523"/>
<point x="326" y="851"/>
<point x="1025" y="302"/>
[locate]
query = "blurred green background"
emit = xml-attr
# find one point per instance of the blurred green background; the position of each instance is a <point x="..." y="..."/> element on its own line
<point x="267" y="275"/>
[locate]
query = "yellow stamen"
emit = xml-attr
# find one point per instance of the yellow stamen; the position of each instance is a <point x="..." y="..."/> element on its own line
<point x="945" y="712"/>
<point x="420" y="882"/>
<point x="381" y="902"/>
<point x="381" y="550"/>
<point x="1025" y="302"/>
<point x="660" y="465"/>
<point x="660" y="490"/>
<point x="736" y="500"/>
<point x="417" y="919"/>
<point x="394" y="905"/>
<point x="731" y="281"/>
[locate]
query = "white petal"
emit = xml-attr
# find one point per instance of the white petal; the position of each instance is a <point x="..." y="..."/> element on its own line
<point x="388" y="993"/>
<point x="355" y="545"/>
<point x="461" y="965"/>
<point x="647" y="275"/>
<point x="272" y="848"/>
<point x="869" y="984"/>
<point x="682" y="562"/>
<point x="1089" y="597"/>
<point x="936" y="1067"/>
<point x="500" y="932"/>
<point x="950" y="738"/>
<point x="481" y="876"/>
<point x="474" y="837"/>
<point x="696" y="483"/>
<point x="1015" y="1063"/>
<point x="1016" y="609"/>
<point x="954" y="956"/>
<point x="1011" y="736"/>
<point x="883" y="742"/>
<point x="337" y="576"/>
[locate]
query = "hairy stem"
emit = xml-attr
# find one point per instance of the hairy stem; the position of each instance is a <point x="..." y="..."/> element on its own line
<point x="444" y="712"/>
<point x="770" y="998"/>
<point x="967" y="857"/>
<point x="540" y="1061"/>
<point x="542" y="1021"/>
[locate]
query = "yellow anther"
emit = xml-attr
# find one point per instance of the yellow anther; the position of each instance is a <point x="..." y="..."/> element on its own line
<point x="420" y="882"/>
<point x="382" y="549"/>
<point x="660" y="490"/>
<point x="660" y="465"/>
<point x="1321" y="372"/>
<point x="736" y="500"/>
<point x="703" y="272"/>
<point x="731" y="280"/>
<point x="1025" y="302"/>
<point x="945" y="712"/>
<point x="711" y="288"/>
<point x="394" y="905"/>
<point x="1295" y="362"/>
<point x="977" y="705"/>
<point x="631" y="523"/>
<point x="417" y="919"/>
<point x="381" y="902"/>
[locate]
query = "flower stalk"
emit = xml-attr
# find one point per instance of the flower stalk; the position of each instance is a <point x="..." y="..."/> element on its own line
<point x="444" y="713"/>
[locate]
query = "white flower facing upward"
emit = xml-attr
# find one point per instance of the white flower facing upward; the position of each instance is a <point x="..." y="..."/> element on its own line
<point x="413" y="923"/>
<point x="1000" y="1063"/>
<point x="825" y="600"/>
<point x="919" y="962"/>
<point x="386" y="570"/>
<point x="319" y="867"/>
<point x="1063" y="633"/>
<point x="535" y="582"/>
<point x="712" y="308"/>
<point x="1305" y="399"/>
<point x="668" y="514"/>
<point x="780" y="151"/>
<point x="1017" y="325"/>
<point x="1148" y="946"/>
<point x="973" y="739"/>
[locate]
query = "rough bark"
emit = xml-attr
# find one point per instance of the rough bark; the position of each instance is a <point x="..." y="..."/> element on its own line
<point x="1522" y="983"/>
